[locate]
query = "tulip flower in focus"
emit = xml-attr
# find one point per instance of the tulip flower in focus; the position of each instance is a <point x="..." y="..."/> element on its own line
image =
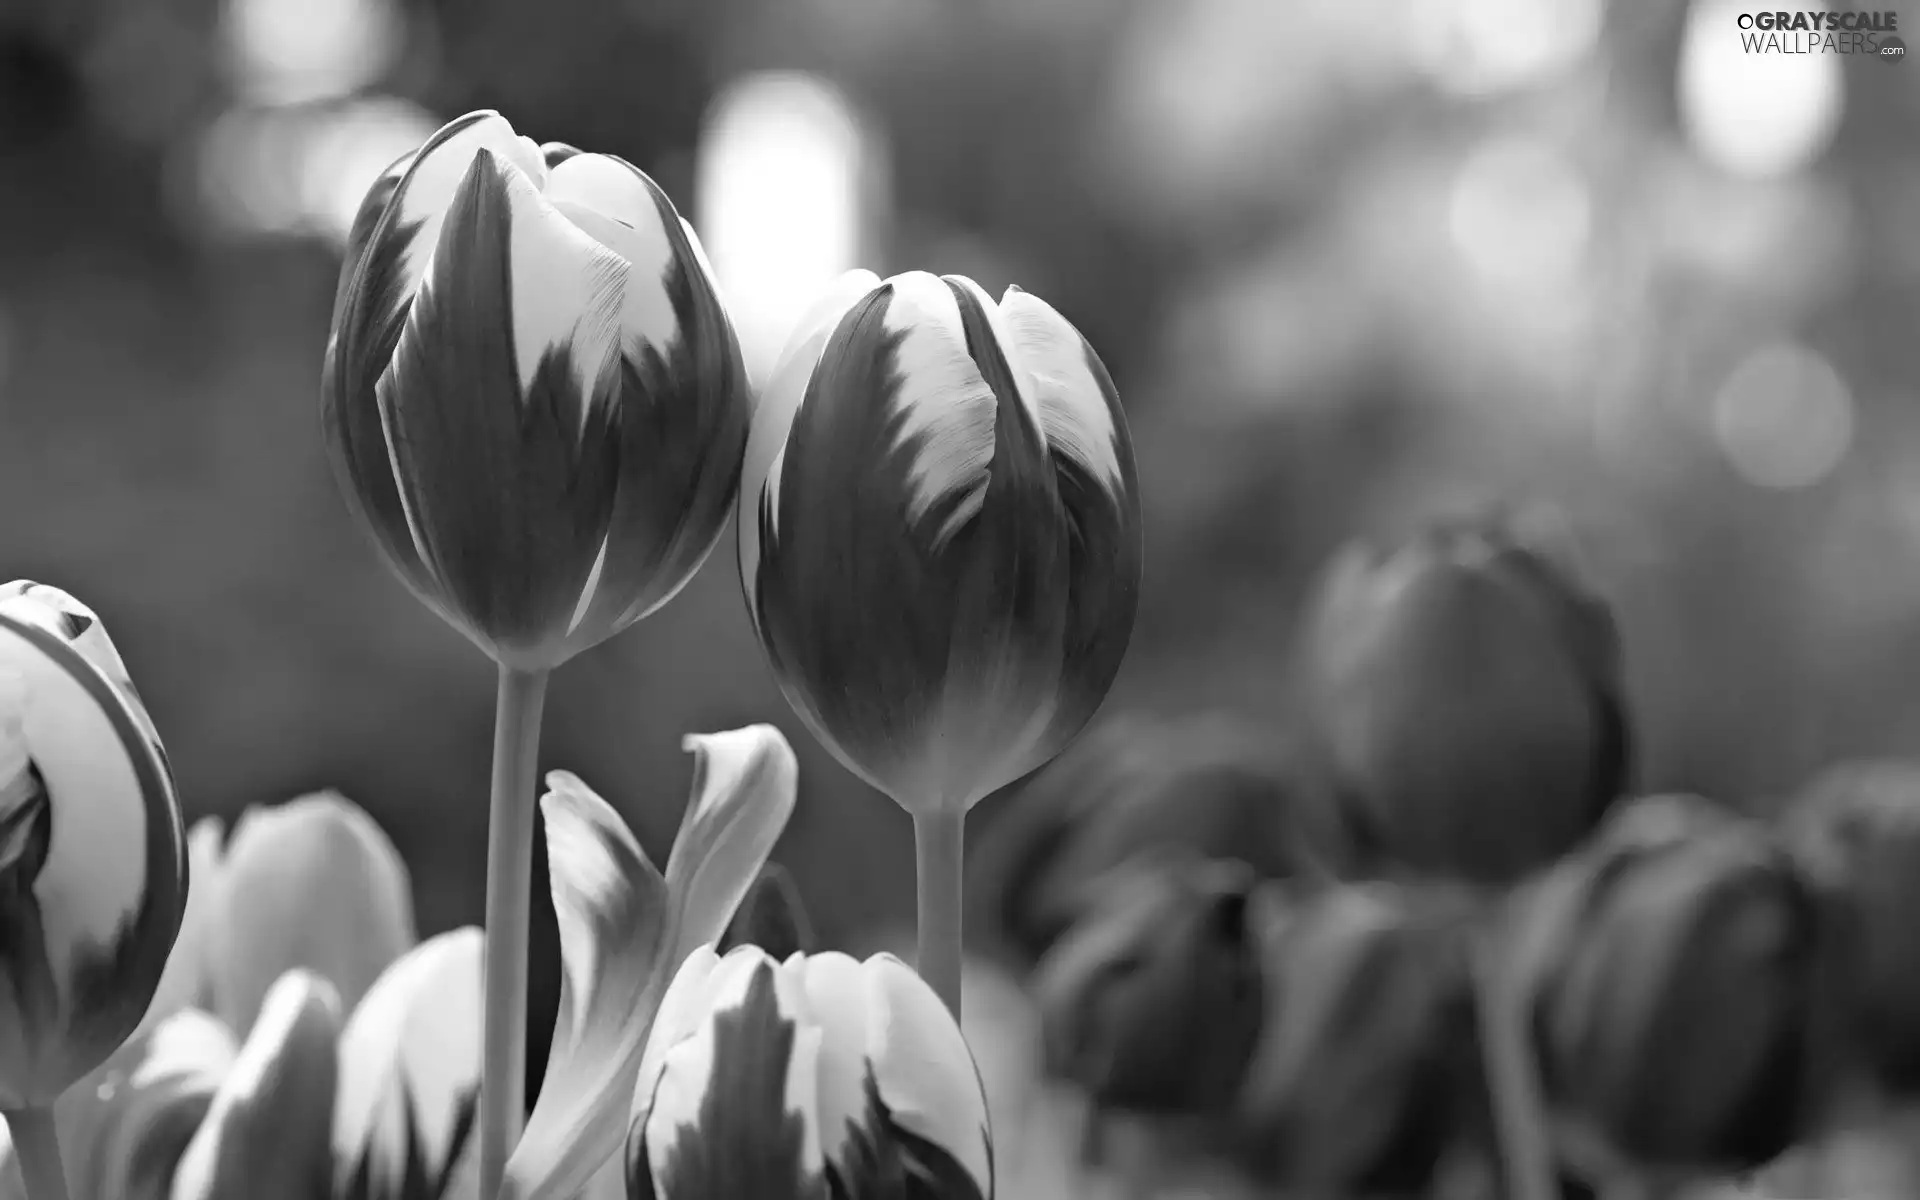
<point x="816" y="1076"/>
<point x="532" y="394"/>
<point x="940" y="533"/>
<point x="1361" y="1081"/>
<point x="93" y="869"/>
<point x="1138" y="785"/>
<point x="1151" y="1003"/>
<point x="1670" y="972"/>
<point x="1464" y="687"/>
<point x="1859" y="827"/>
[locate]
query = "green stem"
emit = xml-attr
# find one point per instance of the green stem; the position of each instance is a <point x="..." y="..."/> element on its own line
<point x="503" y="1078"/>
<point x="36" y="1146"/>
<point x="939" y="841"/>
<point x="1520" y="1134"/>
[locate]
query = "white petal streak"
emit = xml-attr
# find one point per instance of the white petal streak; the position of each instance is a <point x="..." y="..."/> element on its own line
<point x="944" y="410"/>
<point x="745" y="783"/>
<point x="780" y="402"/>
<point x="95" y="874"/>
<point x="1069" y="400"/>
<point x="923" y="1068"/>
<point x="837" y="997"/>
<point x="429" y="187"/>
<point x="612" y="202"/>
<point x="416" y="1034"/>
<point x="568" y="289"/>
<point x="997" y="325"/>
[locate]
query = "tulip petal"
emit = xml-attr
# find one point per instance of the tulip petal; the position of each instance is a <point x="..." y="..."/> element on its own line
<point x="187" y="981"/>
<point x="773" y="418"/>
<point x="615" y="204"/>
<point x="491" y="472"/>
<point x="410" y="1074"/>
<point x="312" y="883"/>
<point x="613" y="910"/>
<point x="378" y="284"/>
<point x="124" y="1128"/>
<point x="745" y="782"/>
<point x="684" y="402"/>
<point x="97" y="895"/>
<point x="728" y="1113"/>
<point x="268" y="1131"/>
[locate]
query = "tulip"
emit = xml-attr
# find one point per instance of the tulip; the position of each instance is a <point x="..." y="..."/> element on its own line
<point x="940" y="548"/>
<point x="1669" y="972"/>
<point x="311" y="883"/>
<point x="187" y="981"/>
<point x="1151" y="1002"/>
<point x="811" y="1077"/>
<point x="1464" y="687"/>
<point x="268" y="1129"/>
<point x="1859" y="827"/>
<point x="1139" y="785"/>
<point x="625" y="927"/>
<point x="771" y="917"/>
<point x="1367" y="1045"/>
<point x="93" y="868"/>
<point x="532" y="394"/>
<point x="536" y="402"/>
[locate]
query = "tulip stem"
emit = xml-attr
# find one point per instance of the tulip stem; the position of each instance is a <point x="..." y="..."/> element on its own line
<point x="503" y="1078"/>
<point x="36" y="1145"/>
<point x="1513" y="1088"/>
<point x="939" y="846"/>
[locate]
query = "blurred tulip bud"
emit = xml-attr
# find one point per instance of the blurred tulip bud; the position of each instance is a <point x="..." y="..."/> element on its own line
<point x="771" y="917"/>
<point x="1151" y="1003"/>
<point x="1367" y="1046"/>
<point x="820" y="1075"/>
<point x="269" y="1129"/>
<point x="410" y="1078"/>
<point x="311" y="883"/>
<point x="1465" y="688"/>
<point x="1858" y="827"/>
<point x="187" y="982"/>
<point x="624" y="930"/>
<point x="940" y="541"/>
<point x="124" y="1128"/>
<point x="1669" y="970"/>
<point x="1138" y="784"/>
<point x="93" y="868"/>
<point x="532" y="393"/>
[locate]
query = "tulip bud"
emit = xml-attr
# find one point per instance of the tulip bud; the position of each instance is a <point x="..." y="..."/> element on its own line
<point x="269" y="1130"/>
<point x="940" y="544"/>
<point x="819" y="1075"/>
<point x="93" y="869"/>
<point x="1670" y="975"/>
<point x="532" y="394"/>
<point x="1151" y="1002"/>
<point x="771" y="917"/>
<point x="1465" y="689"/>
<point x="1367" y="1045"/>
<point x="311" y="883"/>
<point x="1138" y="785"/>
<point x="1859" y="827"/>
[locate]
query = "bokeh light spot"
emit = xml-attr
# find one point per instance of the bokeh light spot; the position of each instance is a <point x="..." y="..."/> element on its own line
<point x="1760" y="115"/>
<point x="298" y="51"/>
<point x="1784" y="418"/>
<point x="1479" y="47"/>
<point x="1520" y="211"/>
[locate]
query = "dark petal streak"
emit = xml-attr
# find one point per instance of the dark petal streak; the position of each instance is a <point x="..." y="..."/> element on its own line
<point x="882" y="1161"/>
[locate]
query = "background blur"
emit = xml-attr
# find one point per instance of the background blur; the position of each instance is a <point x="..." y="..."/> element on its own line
<point x="1347" y="263"/>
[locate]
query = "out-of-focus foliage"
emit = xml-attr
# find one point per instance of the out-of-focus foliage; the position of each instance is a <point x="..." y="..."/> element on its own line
<point x="1345" y="263"/>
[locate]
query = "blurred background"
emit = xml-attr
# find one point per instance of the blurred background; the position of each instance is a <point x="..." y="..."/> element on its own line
<point x="1347" y="264"/>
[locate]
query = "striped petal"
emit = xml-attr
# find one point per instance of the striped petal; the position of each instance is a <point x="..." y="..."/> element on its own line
<point x="505" y="457"/>
<point x="410" y="1076"/>
<point x="389" y="248"/>
<point x="724" y="1106"/>
<point x="612" y="907"/>
<point x="92" y="860"/>
<point x="773" y="418"/>
<point x="311" y="883"/>
<point x="267" y="1130"/>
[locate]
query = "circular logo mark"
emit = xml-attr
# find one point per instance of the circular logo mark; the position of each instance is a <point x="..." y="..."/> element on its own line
<point x="1892" y="49"/>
